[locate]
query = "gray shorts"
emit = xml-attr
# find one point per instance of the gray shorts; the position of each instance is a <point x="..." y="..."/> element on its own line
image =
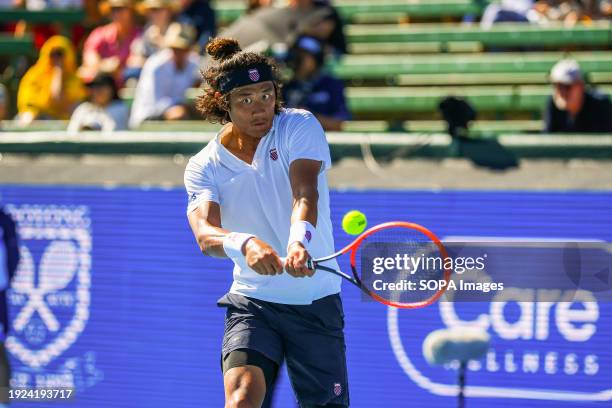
<point x="309" y="338"/>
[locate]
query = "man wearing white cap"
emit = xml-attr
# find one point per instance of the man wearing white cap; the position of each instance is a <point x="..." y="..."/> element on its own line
<point x="573" y="108"/>
<point x="165" y="77"/>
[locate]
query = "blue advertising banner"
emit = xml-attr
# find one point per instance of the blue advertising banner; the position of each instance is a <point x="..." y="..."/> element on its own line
<point x="113" y="298"/>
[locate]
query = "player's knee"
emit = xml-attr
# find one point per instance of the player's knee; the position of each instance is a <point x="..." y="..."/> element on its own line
<point x="245" y="388"/>
<point x="241" y="399"/>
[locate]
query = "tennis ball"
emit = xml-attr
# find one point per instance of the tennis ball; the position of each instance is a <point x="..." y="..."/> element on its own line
<point x="354" y="222"/>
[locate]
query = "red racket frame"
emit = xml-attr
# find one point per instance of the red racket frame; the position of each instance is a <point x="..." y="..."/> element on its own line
<point x="354" y="246"/>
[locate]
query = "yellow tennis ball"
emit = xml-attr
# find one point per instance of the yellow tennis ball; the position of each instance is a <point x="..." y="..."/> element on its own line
<point x="354" y="222"/>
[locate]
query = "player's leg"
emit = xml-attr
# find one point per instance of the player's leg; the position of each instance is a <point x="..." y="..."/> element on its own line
<point x="245" y="387"/>
<point x="251" y="352"/>
<point x="315" y="353"/>
<point x="247" y="375"/>
<point x="271" y="391"/>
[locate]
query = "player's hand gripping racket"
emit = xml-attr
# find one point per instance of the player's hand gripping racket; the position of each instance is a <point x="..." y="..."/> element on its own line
<point x="399" y="264"/>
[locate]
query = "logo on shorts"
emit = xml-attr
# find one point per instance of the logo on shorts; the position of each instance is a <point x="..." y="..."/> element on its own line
<point x="308" y="236"/>
<point x="274" y="154"/>
<point x="337" y="389"/>
<point x="254" y="74"/>
<point x="193" y="197"/>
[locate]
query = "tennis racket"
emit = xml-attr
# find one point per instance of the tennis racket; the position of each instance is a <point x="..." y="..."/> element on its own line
<point x="424" y="264"/>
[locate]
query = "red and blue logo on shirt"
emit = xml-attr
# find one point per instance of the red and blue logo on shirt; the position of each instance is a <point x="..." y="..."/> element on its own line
<point x="274" y="154"/>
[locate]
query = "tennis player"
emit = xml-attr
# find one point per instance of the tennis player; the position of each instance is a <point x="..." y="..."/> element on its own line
<point x="258" y="192"/>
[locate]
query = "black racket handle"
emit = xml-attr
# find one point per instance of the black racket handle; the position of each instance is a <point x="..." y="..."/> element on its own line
<point x="310" y="263"/>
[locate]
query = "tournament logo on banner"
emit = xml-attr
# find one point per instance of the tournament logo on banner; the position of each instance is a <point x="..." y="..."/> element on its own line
<point x="50" y="293"/>
<point x="548" y="341"/>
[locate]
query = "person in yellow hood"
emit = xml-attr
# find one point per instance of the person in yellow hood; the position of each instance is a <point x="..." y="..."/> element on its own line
<point x="50" y="89"/>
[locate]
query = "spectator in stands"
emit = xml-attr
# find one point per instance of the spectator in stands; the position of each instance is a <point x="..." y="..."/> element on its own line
<point x="330" y="29"/>
<point x="103" y="111"/>
<point x="573" y="108"/>
<point x="605" y="9"/>
<point x="165" y="78"/>
<point x="50" y="89"/>
<point x="34" y="5"/>
<point x="311" y="88"/>
<point x="505" y="11"/>
<point x="199" y="14"/>
<point x="274" y="29"/>
<point x="597" y="9"/>
<point x="569" y="12"/>
<point x="159" y="16"/>
<point x="108" y="47"/>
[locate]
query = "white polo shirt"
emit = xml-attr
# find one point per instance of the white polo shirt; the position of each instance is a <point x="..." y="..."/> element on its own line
<point x="257" y="199"/>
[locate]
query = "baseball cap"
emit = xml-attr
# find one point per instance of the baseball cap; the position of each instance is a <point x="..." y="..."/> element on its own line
<point x="310" y="44"/>
<point x="149" y="4"/>
<point x="566" y="71"/>
<point x="179" y="36"/>
<point x="120" y="3"/>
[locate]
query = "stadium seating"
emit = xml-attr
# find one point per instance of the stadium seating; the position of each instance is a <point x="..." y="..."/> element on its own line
<point x="12" y="46"/>
<point x="414" y="47"/>
<point x="389" y="62"/>
<point x="396" y="74"/>
<point x="479" y="128"/>
<point x="341" y="144"/>
<point x="400" y="102"/>
<point x="382" y="11"/>
<point x="517" y="78"/>
<point x="598" y="33"/>
<point x="395" y="101"/>
<point x="356" y="67"/>
<point x="63" y="16"/>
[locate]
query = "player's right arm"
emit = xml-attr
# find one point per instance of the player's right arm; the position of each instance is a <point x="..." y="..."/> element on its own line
<point x="205" y="222"/>
<point x="204" y="214"/>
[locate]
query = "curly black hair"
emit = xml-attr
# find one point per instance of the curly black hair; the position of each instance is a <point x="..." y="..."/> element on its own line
<point x="230" y="57"/>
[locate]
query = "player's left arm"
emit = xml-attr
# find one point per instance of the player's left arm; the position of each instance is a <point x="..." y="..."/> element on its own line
<point x="303" y="175"/>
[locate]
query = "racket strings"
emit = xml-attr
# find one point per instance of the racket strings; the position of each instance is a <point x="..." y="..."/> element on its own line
<point x="400" y="264"/>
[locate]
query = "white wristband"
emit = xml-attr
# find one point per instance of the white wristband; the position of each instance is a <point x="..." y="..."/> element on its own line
<point x="302" y="232"/>
<point x="233" y="243"/>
